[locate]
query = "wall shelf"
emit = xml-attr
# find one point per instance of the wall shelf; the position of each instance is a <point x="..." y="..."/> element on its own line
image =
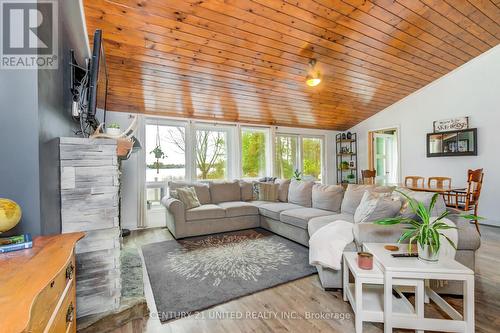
<point x="346" y="154"/>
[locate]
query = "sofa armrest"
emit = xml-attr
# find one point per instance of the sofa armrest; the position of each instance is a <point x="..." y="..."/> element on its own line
<point x="375" y="233"/>
<point x="468" y="237"/>
<point x="176" y="215"/>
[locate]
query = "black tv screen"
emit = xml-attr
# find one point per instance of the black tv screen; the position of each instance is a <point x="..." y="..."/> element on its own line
<point x="98" y="84"/>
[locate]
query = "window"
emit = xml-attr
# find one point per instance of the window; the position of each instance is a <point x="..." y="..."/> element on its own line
<point x="211" y="154"/>
<point x="311" y="158"/>
<point x="253" y="152"/>
<point x="165" y="160"/>
<point x="165" y="153"/>
<point x="285" y="161"/>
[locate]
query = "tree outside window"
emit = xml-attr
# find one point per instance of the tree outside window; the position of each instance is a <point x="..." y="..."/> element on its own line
<point x="211" y="158"/>
<point x="311" y="158"/>
<point x="253" y="153"/>
<point x="285" y="161"/>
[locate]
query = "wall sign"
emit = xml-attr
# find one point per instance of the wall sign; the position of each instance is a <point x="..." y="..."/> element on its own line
<point x="454" y="124"/>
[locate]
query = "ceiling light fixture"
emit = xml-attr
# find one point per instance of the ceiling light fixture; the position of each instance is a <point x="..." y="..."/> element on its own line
<point x="313" y="78"/>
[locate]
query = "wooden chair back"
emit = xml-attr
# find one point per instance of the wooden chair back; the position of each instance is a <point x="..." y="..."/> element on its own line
<point x="439" y="182"/>
<point x="413" y="181"/>
<point x="474" y="186"/>
<point x="368" y="176"/>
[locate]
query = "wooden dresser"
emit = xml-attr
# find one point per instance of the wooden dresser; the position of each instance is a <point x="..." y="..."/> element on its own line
<point x="37" y="286"/>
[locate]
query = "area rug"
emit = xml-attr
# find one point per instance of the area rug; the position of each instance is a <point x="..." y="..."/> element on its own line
<point x="196" y="273"/>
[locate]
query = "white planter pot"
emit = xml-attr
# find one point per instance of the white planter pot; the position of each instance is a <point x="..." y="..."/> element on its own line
<point x="425" y="254"/>
<point x="113" y="131"/>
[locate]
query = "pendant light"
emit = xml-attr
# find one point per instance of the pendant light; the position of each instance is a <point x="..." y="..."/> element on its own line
<point x="313" y="77"/>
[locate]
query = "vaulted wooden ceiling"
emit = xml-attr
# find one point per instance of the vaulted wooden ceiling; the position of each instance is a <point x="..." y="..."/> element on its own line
<point x="246" y="60"/>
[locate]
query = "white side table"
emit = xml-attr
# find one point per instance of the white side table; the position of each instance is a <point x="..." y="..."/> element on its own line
<point x="396" y="270"/>
<point x="366" y="294"/>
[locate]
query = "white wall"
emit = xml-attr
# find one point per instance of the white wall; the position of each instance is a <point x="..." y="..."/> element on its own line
<point x="471" y="90"/>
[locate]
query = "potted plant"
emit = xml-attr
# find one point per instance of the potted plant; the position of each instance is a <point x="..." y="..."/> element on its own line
<point x="344" y="165"/>
<point x="350" y="177"/>
<point x="158" y="152"/>
<point x="297" y="175"/>
<point x="113" y="129"/>
<point x="426" y="232"/>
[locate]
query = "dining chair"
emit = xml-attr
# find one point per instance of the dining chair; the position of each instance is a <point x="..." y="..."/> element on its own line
<point x="467" y="200"/>
<point x="368" y="176"/>
<point x="413" y="181"/>
<point x="439" y="182"/>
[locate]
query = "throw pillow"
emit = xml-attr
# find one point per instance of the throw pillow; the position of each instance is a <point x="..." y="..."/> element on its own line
<point x="284" y="185"/>
<point x="300" y="193"/>
<point x="201" y="189"/>
<point x="225" y="191"/>
<point x="354" y="193"/>
<point x="375" y="206"/>
<point x="267" y="191"/>
<point x="327" y="197"/>
<point x="188" y="197"/>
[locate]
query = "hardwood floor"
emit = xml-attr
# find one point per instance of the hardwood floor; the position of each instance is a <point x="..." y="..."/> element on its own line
<point x="303" y="306"/>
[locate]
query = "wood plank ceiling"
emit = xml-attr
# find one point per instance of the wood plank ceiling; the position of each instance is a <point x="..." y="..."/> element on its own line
<point x="246" y="60"/>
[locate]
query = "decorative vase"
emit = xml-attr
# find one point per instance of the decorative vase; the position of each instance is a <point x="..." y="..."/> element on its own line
<point x="113" y="131"/>
<point x="343" y="136"/>
<point x="349" y="136"/>
<point x="425" y="254"/>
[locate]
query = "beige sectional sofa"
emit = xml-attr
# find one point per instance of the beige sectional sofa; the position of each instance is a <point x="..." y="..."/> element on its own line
<point x="303" y="208"/>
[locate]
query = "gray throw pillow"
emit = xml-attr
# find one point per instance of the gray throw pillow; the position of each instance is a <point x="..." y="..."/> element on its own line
<point x="300" y="193"/>
<point x="202" y="190"/>
<point x="327" y="197"/>
<point x="188" y="197"/>
<point x="284" y="185"/>
<point x="375" y="206"/>
<point x="354" y="193"/>
<point x="267" y="191"/>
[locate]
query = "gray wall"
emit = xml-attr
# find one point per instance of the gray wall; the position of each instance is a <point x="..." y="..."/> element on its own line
<point x="35" y="109"/>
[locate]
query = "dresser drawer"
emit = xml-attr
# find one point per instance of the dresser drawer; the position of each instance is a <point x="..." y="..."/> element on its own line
<point x="65" y="319"/>
<point x="46" y="302"/>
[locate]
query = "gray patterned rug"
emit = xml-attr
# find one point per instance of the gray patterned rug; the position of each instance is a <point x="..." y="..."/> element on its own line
<point x="196" y="273"/>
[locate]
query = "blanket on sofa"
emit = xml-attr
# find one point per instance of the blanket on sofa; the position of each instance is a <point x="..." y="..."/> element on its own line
<point x="327" y="244"/>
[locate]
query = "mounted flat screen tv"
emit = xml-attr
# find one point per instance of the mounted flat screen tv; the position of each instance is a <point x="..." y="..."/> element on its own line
<point x="98" y="84"/>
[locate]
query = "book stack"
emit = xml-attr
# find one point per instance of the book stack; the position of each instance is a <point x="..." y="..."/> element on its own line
<point x="15" y="243"/>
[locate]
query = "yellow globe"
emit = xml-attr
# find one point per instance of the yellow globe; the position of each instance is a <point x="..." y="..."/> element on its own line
<point x="10" y="214"/>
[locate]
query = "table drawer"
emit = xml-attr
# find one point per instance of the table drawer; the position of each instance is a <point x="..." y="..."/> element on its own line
<point x="46" y="302"/>
<point x="65" y="319"/>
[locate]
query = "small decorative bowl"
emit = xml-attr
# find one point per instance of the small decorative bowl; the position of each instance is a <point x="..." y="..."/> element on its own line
<point x="365" y="260"/>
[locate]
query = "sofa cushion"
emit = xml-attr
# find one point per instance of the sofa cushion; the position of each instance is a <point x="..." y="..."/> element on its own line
<point x="266" y="191"/>
<point x="327" y="197"/>
<point x="226" y="191"/>
<point x="354" y="193"/>
<point x="375" y="206"/>
<point x="423" y="197"/>
<point x="300" y="217"/>
<point x="258" y="203"/>
<point x="318" y="222"/>
<point x="238" y="208"/>
<point x="300" y="193"/>
<point x="188" y="197"/>
<point x="273" y="210"/>
<point x="205" y="212"/>
<point x="246" y="189"/>
<point x="202" y="190"/>
<point x="284" y="185"/>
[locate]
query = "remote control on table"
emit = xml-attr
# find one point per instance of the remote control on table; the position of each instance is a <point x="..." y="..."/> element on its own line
<point x="404" y="255"/>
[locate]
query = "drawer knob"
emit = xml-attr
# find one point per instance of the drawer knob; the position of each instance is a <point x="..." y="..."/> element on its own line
<point x="69" y="313"/>
<point x="69" y="271"/>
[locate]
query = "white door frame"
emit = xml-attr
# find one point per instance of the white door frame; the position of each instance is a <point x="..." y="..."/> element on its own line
<point x="398" y="146"/>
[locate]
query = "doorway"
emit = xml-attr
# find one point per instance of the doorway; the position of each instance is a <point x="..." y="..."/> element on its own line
<point x="384" y="155"/>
